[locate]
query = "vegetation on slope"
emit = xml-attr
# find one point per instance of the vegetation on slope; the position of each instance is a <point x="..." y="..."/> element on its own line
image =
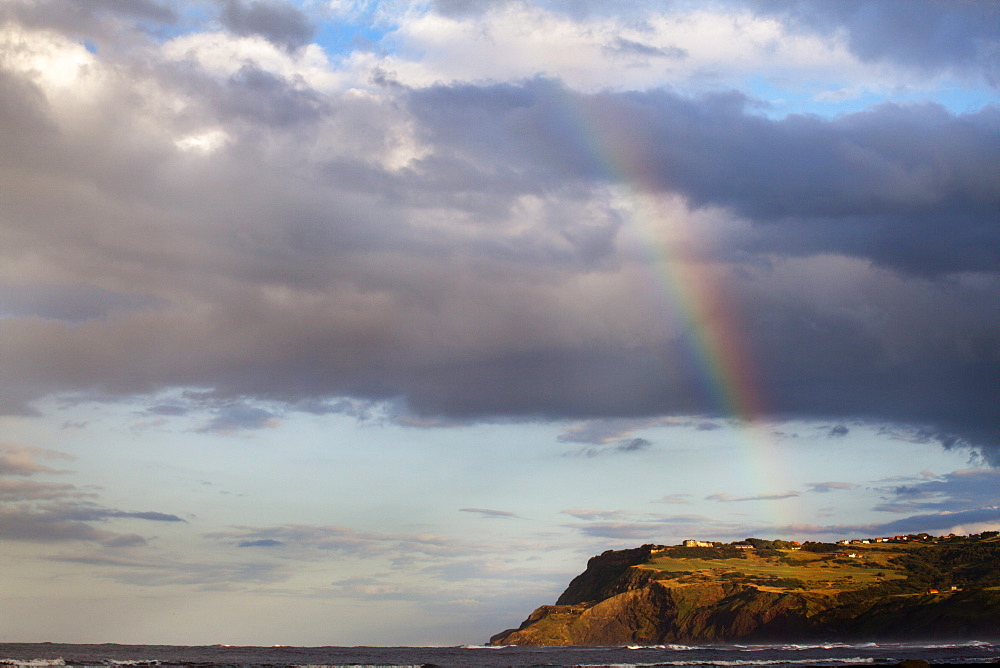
<point x="760" y="589"/>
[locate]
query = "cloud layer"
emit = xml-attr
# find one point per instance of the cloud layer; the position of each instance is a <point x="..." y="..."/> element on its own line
<point x="233" y="211"/>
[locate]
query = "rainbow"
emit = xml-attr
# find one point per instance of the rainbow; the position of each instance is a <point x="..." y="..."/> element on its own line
<point x="687" y="286"/>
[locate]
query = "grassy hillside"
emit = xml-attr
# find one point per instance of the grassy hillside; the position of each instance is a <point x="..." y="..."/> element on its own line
<point x="901" y="567"/>
<point x="760" y="589"/>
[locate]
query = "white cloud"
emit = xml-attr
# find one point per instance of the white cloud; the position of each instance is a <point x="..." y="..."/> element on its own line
<point x="224" y="55"/>
<point x="205" y="142"/>
<point x="55" y="62"/>
<point x="681" y="49"/>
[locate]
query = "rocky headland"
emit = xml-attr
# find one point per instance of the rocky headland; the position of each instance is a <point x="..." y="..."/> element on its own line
<point x="897" y="587"/>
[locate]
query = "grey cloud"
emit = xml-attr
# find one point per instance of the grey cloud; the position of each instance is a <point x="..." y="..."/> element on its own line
<point x="172" y="410"/>
<point x="141" y="9"/>
<point x="238" y="417"/>
<point x="881" y="184"/>
<point x="85" y="512"/>
<point x="104" y="22"/>
<point x="463" y="8"/>
<point x="619" y="524"/>
<point x="258" y="96"/>
<point x="67" y="303"/>
<point x="22" y="460"/>
<point x="622" y="530"/>
<point x="633" y="445"/>
<point x="25" y="524"/>
<point x="622" y="46"/>
<point x="488" y="512"/>
<point x="728" y="498"/>
<point x="948" y="493"/>
<point x="377" y="588"/>
<point x="263" y="542"/>
<point x="152" y="571"/>
<point x="487" y="277"/>
<point x="626" y="446"/>
<point x="29" y="490"/>
<point x="676" y="498"/>
<point x="829" y="486"/>
<point x="150" y="516"/>
<point x="838" y="431"/>
<point x="939" y="522"/>
<point x="36" y="511"/>
<point x="281" y="23"/>
<point x="335" y="539"/>
<point x="637" y="9"/>
<point x="926" y="34"/>
<point x="602" y="432"/>
<point x="594" y="514"/>
<point x="84" y="13"/>
<point x="929" y="35"/>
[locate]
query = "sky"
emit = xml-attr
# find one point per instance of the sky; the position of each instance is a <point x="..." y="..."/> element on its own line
<point x="368" y="323"/>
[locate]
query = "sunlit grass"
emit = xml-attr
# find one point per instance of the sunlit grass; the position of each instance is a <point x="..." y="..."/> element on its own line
<point x="815" y="571"/>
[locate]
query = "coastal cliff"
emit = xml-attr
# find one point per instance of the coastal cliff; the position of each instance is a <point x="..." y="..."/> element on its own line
<point x="776" y="590"/>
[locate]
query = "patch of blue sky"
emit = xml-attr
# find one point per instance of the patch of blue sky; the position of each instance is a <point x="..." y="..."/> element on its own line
<point x="959" y="99"/>
<point x="192" y="17"/>
<point x="833" y="99"/>
<point x="359" y="31"/>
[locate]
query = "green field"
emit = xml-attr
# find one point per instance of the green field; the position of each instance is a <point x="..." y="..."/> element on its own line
<point x="814" y="571"/>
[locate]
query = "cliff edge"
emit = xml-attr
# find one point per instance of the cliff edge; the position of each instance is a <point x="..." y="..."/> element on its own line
<point x="757" y="590"/>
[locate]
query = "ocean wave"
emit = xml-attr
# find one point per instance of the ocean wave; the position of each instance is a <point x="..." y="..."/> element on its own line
<point x="30" y="663"/>
<point x="851" y="660"/>
<point x="957" y="645"/>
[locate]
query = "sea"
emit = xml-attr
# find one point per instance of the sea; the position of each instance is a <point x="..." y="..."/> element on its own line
<point x="224" y="656"/>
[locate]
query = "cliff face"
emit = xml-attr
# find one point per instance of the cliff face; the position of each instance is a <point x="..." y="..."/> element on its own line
<point x="657" y="613"/>
<point x="636" y="597"/>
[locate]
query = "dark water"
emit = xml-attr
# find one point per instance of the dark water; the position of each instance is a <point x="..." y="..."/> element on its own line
<point x="830" y="654"/>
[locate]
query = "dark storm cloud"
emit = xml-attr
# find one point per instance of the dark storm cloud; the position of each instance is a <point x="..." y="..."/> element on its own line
<point x="452" y="250"/>
<point x="912" y="188"/>
<point x="928" y="34"/>
<point x="279" y="22"/>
